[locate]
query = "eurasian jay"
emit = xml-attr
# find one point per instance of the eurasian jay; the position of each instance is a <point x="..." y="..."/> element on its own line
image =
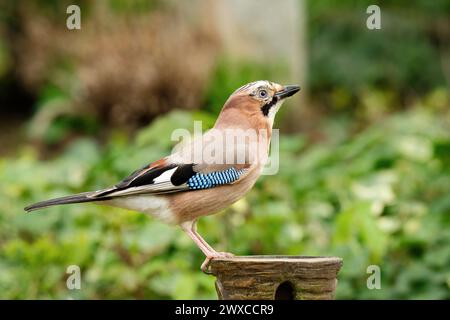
<point x="205" y="175"/>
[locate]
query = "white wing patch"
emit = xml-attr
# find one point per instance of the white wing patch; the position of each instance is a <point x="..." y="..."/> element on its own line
<point x="161" y="184"/>
<point x="165" y="176"/>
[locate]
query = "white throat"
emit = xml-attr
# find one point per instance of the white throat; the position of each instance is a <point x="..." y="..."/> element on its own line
<point x="273" y="111"/>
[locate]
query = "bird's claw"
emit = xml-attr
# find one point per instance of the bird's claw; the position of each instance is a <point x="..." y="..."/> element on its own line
<point x="205" y="265"/>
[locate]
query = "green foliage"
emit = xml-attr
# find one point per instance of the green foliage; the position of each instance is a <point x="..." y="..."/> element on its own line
<point x="134" y="7"/>
<point x="381" y="197"/>
<point x="403" y="58"/>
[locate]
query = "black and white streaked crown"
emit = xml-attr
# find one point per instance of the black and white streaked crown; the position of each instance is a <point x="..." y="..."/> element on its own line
<point x="254" y="84"/>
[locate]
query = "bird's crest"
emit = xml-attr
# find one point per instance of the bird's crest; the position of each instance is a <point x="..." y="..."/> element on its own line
<point x="258" y="83"/>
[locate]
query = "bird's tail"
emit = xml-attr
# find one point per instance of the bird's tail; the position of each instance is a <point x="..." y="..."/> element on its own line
<point x="76" y="198"/>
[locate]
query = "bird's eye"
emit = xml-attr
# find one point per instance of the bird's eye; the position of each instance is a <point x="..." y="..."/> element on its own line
<point x="262" y="94"/>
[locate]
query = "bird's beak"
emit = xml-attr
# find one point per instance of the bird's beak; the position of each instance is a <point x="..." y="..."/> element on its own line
<point x="287" y="91"/>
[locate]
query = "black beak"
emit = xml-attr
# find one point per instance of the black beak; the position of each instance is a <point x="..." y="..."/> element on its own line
<point x="287" y="92"/>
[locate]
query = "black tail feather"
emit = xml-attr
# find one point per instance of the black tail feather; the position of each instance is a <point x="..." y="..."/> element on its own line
<point x="76" y="198"/>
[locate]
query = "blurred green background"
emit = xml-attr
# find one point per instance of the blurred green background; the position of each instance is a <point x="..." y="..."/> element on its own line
<point x="364" y="173"/>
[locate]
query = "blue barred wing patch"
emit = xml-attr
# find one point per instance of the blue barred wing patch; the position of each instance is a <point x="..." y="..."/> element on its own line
<point x="213" y="179"/>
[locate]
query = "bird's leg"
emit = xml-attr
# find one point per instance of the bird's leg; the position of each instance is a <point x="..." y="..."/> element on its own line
<point x="194" y="230"/>
<point x="221" y="254"/>
<point x="206" y="249"/>
<point x="191" y="229"/>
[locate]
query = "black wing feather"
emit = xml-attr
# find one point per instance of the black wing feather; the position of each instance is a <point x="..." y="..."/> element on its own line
<point x="139" y="179"/>
<point x="182" y="174"/>
<point x="146" y="176"/>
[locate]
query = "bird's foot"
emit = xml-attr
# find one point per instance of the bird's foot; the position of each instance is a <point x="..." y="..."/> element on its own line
<point x="217" y="255"/>
<point x="225" y="255"/>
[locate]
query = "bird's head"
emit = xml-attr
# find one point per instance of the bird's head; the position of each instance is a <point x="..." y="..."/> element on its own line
<point x="260" y="99"/>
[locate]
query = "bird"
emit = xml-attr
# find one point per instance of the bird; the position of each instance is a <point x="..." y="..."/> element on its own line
<point x="204" y="175"/>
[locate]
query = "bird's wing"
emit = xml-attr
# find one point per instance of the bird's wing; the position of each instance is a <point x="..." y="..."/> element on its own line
<point x="176" y="173"/>
<point x="164" y="176"/>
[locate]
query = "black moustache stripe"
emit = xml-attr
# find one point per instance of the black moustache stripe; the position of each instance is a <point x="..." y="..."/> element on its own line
<point x="266" y="108"/>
